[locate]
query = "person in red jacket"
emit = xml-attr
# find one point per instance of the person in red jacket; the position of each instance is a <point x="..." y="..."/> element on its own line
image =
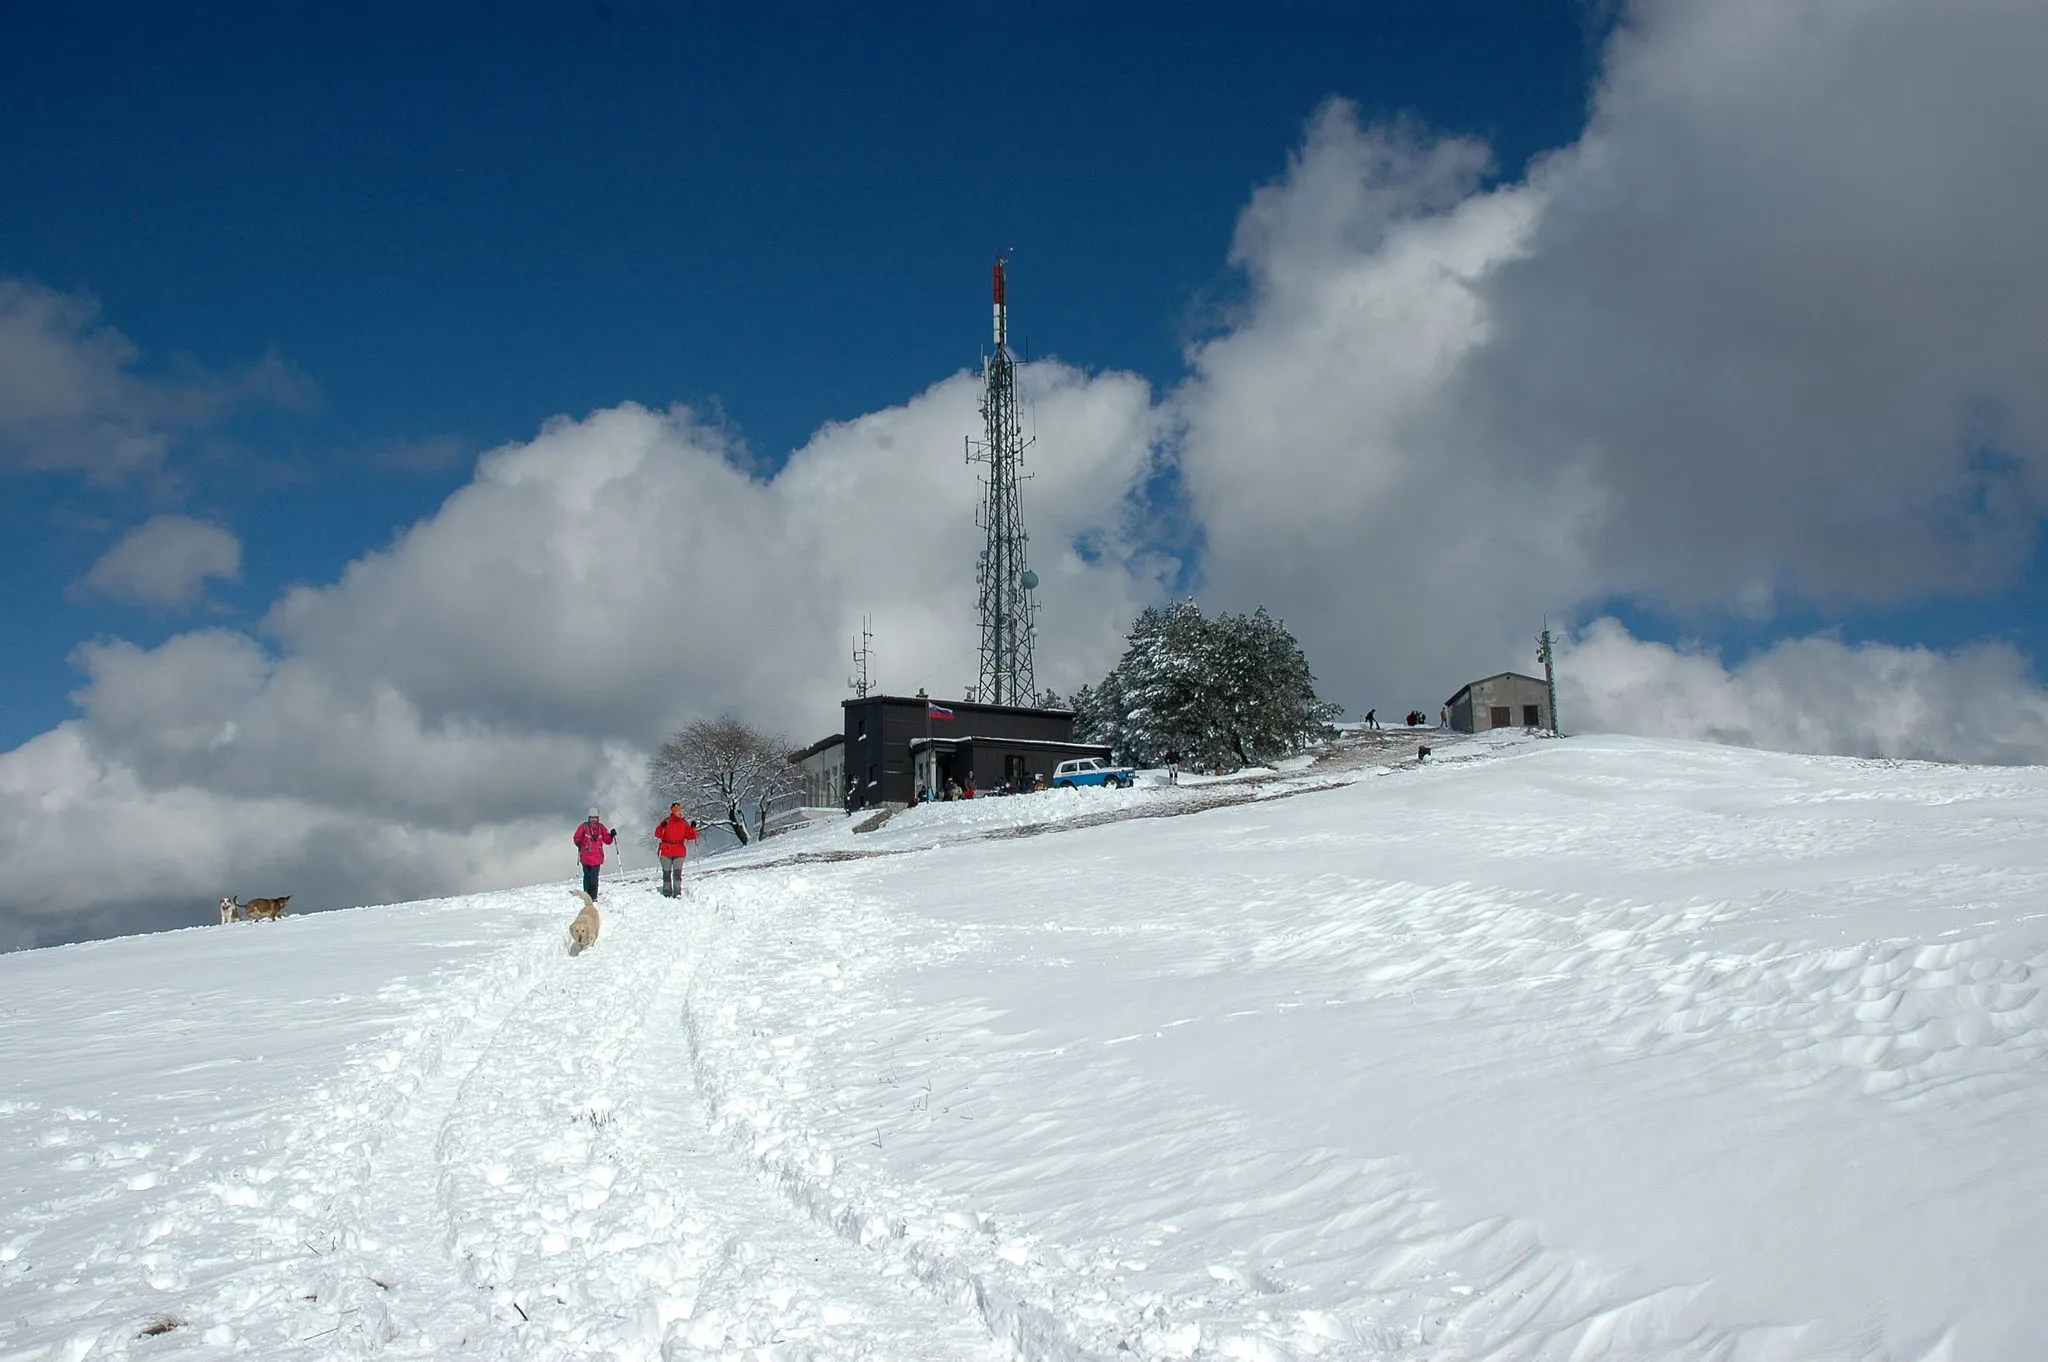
<point x="592" y="837"/>
<point x="673" y="835"/>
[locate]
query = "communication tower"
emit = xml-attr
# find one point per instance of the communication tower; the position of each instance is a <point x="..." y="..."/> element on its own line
<point x="859" y="683"/>
<point x="1008" y="611"/>
<point x="1546" y="653"/>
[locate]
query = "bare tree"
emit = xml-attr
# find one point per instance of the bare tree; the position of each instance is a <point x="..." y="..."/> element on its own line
<point x="724" y="771"/>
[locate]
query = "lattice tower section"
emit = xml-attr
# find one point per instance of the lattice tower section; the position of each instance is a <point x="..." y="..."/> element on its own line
<point x="1004" y="578"/>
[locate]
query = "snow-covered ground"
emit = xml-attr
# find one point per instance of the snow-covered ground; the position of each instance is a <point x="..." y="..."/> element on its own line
<point x="1601" y="1048"/>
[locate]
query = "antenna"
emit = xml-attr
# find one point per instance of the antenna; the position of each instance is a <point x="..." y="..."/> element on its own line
<point x="859" y="683"/>
<point x="1008" y="610"/>
<point x="1547" y="655"/>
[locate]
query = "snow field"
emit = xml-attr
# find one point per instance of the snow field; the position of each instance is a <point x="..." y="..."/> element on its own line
<point x="1602" y="1049"/>
<point x="515" y="1168"/>
<point x="223" y="1113"/>
<point x="925" y="826"/>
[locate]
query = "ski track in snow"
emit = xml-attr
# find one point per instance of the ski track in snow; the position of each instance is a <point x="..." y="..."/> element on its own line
<point x="1431" y="1067"/>
<point x="582" y="1185"/>
<point x="520" y="1169"/>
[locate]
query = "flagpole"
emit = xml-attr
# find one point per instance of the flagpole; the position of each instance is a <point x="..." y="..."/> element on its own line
<point x="931" y="758"/>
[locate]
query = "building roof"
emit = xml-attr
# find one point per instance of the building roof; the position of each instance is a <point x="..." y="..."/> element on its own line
<point x="1519" y="676"/>
<point x="948" y="740"/>
<point x="920" y="701"/>
<point x="829" y="740"/>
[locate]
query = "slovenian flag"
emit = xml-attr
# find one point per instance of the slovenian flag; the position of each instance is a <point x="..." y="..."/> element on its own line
<point x="936" y="710"/>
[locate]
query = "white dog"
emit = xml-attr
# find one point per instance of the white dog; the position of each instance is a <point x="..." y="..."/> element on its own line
<point x="255" y="910"/>
<point x="583" y="931"/>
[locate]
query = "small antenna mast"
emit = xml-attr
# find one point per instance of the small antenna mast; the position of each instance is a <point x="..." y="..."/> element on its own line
<point x="1546" y="653"/>
<point x="858" y="682"/>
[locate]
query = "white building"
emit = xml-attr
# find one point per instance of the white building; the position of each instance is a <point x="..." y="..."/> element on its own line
<point x="1506" y="700"/>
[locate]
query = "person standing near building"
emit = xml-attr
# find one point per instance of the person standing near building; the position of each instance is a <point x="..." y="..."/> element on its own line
<point x="672" y="837"/>
<point x="592" y="837"/>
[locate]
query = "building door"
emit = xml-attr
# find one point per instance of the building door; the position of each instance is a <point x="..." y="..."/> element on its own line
<point x="1532" y="716"/>
<point x="1015" y="778"/>
<point x="1499" y="717"/>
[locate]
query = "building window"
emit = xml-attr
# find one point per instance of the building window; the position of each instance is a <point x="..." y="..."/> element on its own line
<point x="1499" y="717"/>
<point x="1532" y="716"/>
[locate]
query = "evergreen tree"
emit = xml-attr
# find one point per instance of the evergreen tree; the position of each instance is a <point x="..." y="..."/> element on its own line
<point x="1087" y="722"/>
<point x="1266" y="694"/>
<point x="1233" y="691"/>
<point x="1170" y="698"/>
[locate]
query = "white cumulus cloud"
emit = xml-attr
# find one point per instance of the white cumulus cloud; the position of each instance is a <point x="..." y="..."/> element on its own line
<point x="1765" y="334"/>
<point x="1817" y="694"/>
<point x="165" y="561"/>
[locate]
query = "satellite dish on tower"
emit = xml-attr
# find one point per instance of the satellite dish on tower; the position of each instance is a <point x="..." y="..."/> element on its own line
<point x="1029" y="580"/>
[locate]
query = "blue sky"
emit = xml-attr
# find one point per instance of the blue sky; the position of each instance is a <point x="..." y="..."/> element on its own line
<point x="453" y="222"/>
<point x="1708" y="329"/>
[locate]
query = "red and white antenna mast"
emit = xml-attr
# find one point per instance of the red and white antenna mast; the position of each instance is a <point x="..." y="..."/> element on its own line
<point x="1002" y="308"/>
<point x="1004" y="580"/>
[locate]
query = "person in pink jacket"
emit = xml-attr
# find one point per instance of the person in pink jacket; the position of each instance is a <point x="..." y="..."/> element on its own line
<point x="592" y="837"/>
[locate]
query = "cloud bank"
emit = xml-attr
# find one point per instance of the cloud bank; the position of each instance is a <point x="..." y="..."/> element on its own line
<point x="1817" y="694"/>
<point x="438" y="718"/>
<point x="1766" y="334"/>
<point x="1763" y="335"/>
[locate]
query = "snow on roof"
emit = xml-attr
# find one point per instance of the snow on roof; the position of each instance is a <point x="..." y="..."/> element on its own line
<point x="956" y="704"/>
<point x="1051" y="744"/>
<point x="1497" y="676"/>
<point x="829" y="740"/>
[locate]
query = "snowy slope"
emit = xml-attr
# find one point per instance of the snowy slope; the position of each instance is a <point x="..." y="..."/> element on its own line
<point x="1594" y="1049"/>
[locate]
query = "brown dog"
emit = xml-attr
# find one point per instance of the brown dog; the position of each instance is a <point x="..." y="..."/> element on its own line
<point x="259" y="909"/>
<point x="583" y="931"/>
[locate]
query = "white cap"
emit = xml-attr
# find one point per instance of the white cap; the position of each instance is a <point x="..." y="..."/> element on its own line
<point x="593" y="813"/>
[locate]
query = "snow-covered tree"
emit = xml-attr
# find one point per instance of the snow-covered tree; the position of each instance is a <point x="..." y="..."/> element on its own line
<point x="1228" y="692"/>
<point x="1265" y="699"/>
<point x="724" y="772"/>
